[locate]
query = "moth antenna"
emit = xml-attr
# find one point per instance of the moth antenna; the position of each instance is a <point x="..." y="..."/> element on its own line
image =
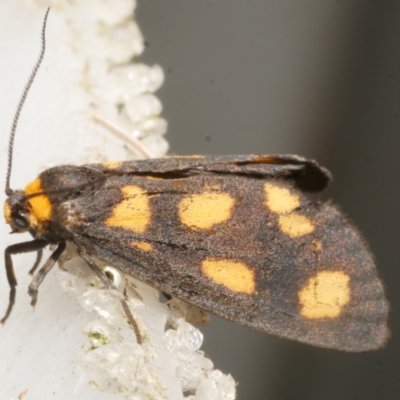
<point x="28" y="85"/>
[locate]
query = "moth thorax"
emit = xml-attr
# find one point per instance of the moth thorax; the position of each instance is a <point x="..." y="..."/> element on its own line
<point x="39" y="204"/>
<point x="7" y="212"/>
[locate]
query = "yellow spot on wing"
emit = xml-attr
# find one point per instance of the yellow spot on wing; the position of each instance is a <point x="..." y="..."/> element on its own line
<point x="234" y="275"/>
<point x="279" y="199"/>
<point x="112" y="164"/>
<point x="295" y="225"/>
<point x="204" y="210"/>
<point x="40" y="203"/>
<point x="191" y="156"/>
<point x="325" y="295"/>
<point x="145" y="246"/>
<point x="317" y="245"/>
<point x="133" y="212"/>
<point x="7" y="212"/>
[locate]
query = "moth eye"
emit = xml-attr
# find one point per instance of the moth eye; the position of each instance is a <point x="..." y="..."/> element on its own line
<point x="21" y="223"/>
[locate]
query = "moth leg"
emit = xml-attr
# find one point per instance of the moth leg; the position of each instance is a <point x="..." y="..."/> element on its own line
<point x="39" y="277"/>
<point x="109" y="285"/>
<point x="39" y="255"/>
<point x="25" y="247"/>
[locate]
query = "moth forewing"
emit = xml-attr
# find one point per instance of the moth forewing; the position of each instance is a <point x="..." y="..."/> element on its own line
<point x="234" y="235"/>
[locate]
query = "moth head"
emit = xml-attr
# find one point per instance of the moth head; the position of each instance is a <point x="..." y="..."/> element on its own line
<point x="29" y="209"/>
<point x="17" y="213"/>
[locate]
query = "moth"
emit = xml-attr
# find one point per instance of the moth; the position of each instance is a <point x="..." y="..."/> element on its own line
<point x="234" y="235"/>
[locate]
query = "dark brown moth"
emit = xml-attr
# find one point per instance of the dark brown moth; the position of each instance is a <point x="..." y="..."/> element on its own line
<point x="233" y="235"/>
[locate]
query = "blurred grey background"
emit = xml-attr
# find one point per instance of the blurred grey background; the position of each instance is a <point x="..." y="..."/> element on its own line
<point x="315" y="78"/>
